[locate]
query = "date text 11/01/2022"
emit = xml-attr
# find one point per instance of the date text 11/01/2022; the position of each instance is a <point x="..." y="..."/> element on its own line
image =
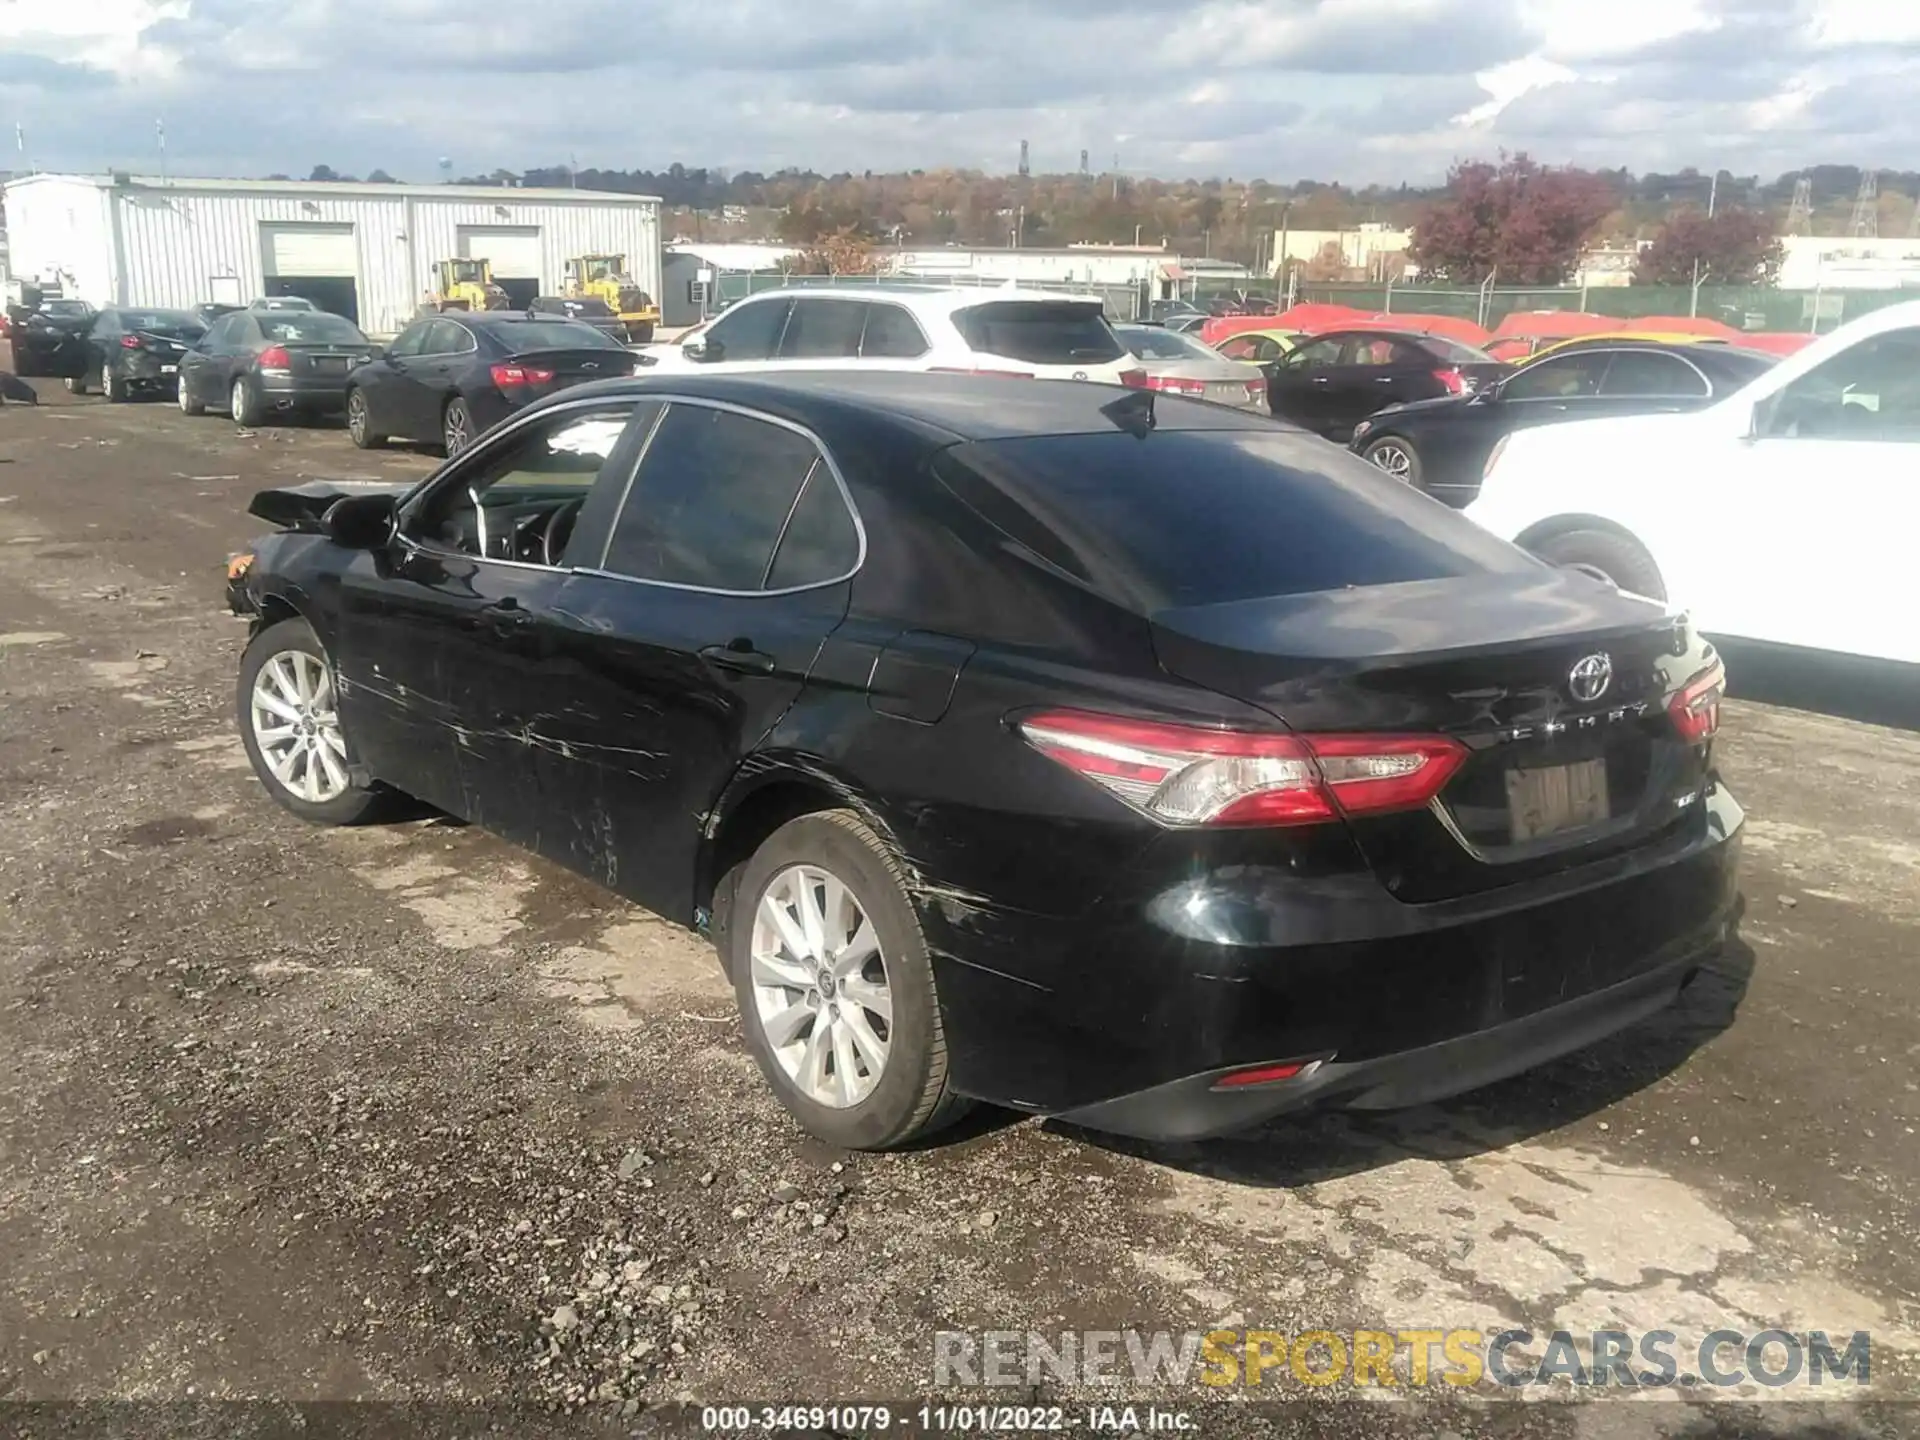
<point x="938" y="1419"/>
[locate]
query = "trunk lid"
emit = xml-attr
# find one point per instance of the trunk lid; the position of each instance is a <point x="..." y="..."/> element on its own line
<point x="1552" y="777"/>
<point x="326" y="361"/>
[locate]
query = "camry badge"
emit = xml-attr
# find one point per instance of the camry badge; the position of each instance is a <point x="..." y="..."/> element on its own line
<point x="1589" y="678"/>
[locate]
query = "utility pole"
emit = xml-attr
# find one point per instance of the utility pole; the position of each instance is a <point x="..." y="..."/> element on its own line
<point x="1713" y="194"/>
<point x="1800" y="212"/>
<point x="160" y="137"/>
<point x="1866" y="207"/>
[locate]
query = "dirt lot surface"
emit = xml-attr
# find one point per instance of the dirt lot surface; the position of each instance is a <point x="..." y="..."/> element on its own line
<point x="399" y="1111"/>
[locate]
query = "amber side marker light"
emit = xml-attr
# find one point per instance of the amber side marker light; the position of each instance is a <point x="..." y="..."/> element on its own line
<point x="238" y="566"/>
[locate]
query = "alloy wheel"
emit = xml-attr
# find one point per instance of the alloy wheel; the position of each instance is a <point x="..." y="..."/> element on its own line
<point x="108" y="386"/>
<point x="820" y="986"/>
<point x="456" y="429"/>
<point x="357" y="417"/>
<point x="180" y="394"/>
<point x="1392" y="458"/>
<point x="297" y="726"/>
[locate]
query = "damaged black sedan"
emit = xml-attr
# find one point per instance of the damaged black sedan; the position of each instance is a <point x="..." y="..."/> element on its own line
<point x="1097" y="754"/>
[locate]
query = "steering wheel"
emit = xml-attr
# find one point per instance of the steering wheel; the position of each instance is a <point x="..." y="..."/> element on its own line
<point x="559" y="530"/>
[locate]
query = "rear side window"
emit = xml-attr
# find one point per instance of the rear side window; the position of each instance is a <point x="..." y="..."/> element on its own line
<point x="1040" y="332"/>
<point x="710" y="500"/>
<point x="821" y="543"/>
<point x="892" y="334"/>
<point x="1205" y="517"/>
<point x="822" y="330"/>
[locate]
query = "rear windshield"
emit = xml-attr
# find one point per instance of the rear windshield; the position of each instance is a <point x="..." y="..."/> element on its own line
<point x="317" y="328"/>
<point x="1040" y="332"/>
<point x="70" y="309"/>
<point x="553" y="335"/>
<point x="180" y="324"/>
<point x="1151" y="342"/>
<point x="1203" y="517"/>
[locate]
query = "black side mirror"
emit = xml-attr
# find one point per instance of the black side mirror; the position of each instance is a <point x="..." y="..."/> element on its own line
<point x="360" y="522"/>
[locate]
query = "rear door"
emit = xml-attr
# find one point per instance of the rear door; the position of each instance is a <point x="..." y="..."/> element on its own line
<point x="1379" y="371"/>
<point x="726" y="567"/>
<point x="1642" y="381"/>
<point x="822" y="332"/>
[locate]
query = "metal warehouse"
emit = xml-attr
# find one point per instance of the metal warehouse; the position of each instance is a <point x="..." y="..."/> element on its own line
<point x="363" y="250"/>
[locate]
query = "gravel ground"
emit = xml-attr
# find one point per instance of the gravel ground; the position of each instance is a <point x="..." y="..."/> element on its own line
<point x="400" y="1113"/>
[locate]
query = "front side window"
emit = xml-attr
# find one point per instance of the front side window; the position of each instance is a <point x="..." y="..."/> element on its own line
<point x="1649" y="373"/>
<point x="518" y="499"/>
<point x="1869" y="391"/>
<point x="1317" y="354"/>
<point x="411" y="339"/>
<point x="1565" y="377"/>
<point x="711" y="500"/>
<point x="749" y="331"/>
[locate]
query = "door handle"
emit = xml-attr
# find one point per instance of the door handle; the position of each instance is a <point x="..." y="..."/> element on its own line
<point x="505" y="614"/>
<point x="1383" y="379"/>
<point x="1321" y="380"/>
<point x="738" y="655"/>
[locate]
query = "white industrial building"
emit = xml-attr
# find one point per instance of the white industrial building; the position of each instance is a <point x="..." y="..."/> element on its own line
<point x="1833" y="262"/>
<point x="363" y="250"/>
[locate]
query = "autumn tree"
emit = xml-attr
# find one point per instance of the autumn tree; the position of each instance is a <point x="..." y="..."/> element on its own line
<point x="1329" y="264"/>
<point x="1733" y="246"/>
<point x="845" y="252"/>
<point x="1518" y="221"/>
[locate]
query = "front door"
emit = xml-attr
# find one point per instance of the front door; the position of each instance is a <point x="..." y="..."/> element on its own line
<point x="725" y="568"/>
<point x="445" y="634"/>
<point x="1820" y="507"/>
<point x="1302" y="386"/>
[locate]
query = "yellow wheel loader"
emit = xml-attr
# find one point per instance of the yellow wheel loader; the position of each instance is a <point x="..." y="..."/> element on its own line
<point x="605" y="277"/>
<point x="464" y="285"/>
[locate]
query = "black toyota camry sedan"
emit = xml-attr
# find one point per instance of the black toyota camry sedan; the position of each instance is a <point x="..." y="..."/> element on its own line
<point x="1091" y="752"/>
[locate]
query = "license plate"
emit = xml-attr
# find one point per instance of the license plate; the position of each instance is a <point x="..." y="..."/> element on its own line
<point x="1554" y="798"/>
<point x="169" y="369"/>
<point x="330" y="362"/>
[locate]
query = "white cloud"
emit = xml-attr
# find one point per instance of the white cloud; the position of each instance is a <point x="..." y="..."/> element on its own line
<point x="103" y="34"/>
<point x="1505" y="84"/>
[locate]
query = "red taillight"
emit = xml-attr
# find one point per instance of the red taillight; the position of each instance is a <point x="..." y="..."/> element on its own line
<point x="1186" y="775"/>
<point x="1256" y="392"/>
<point x="1265" y="1074"/>
<point x="975" y="370"/>
<point x="275" y="357"/>
<point x="1455" y="382"/>
<point x="1696" y="708"/>
<point x="508" y="376"/>
<point x="129" y="342"/>
<point x="1168" y="384"/>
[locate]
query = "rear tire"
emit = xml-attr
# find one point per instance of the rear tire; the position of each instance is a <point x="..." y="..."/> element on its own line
<point x="1397" y="457"/>
<point x="243" y="405"/>
<point x="1608" y="555"/>
<point x="910" y="1096"/>
<point x="357" y="427"/>
<point x="640" y="334"/>
<point x="77" y="384"/>
<point x="456" y="428"/>
<point x="112" y="388"/>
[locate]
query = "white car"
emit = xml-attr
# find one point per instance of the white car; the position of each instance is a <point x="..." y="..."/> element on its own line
<point x="1005" y="331"/>
<point x="1788" y="512"/>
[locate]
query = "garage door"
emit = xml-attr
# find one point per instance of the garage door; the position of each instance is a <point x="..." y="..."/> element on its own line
<point x="514" y="254"/>
<point x="310" y="250"/>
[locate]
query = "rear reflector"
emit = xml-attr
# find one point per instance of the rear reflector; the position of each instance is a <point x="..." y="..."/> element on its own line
<point x="507" y="376"/>
<point x="1696" y="708"/>
<point x="1265" y="1074"/>
<point x="1189" y="775"/>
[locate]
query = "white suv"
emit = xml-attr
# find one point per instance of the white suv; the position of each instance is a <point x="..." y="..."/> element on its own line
<point x="1785" y="513"/>
<point x="1028" y="333"/>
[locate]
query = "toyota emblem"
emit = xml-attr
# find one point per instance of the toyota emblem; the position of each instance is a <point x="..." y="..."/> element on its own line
<point x="1590" y="677"/>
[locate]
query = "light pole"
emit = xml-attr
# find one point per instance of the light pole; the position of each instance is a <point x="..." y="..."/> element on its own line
<point x="1713" y="194"/>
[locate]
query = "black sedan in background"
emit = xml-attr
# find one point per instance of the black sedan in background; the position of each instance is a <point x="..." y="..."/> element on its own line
<point x="132" y="351"/>
<point x="254" y="363"/>
<point x="446" y="378"/>
<point x="1329" y="384"/>
<point x="1092" y="752"/>
<point x="49" y="338"/>
<point x="1442" y="445"/>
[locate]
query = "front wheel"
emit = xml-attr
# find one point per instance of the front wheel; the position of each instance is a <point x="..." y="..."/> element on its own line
<point x="290" y="724"/>
<point x="835" y="986"/>
<point x="1397" y="457"/>
<point x="184" y="394"/>
<point x="1606" y="555"/>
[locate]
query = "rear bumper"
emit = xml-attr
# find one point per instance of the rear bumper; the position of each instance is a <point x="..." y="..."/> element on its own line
<point x="316" y="392"/>
<point x="149" y="370"/>
<point x="1126" y="1024"/>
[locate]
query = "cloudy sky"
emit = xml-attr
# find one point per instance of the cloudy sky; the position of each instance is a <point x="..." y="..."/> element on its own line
<point x="1357" y="90"/>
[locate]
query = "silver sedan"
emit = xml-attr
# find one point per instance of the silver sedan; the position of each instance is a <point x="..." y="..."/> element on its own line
<point x="1184" y="365"/>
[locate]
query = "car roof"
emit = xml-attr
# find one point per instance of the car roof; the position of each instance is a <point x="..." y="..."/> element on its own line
<point x="944" y="409"/>
<point x="924" y="299"/>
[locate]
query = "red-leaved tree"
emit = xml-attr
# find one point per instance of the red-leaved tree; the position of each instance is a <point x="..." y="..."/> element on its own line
<point x="1734" y="246"/>
<point x="1518" y="221"/>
